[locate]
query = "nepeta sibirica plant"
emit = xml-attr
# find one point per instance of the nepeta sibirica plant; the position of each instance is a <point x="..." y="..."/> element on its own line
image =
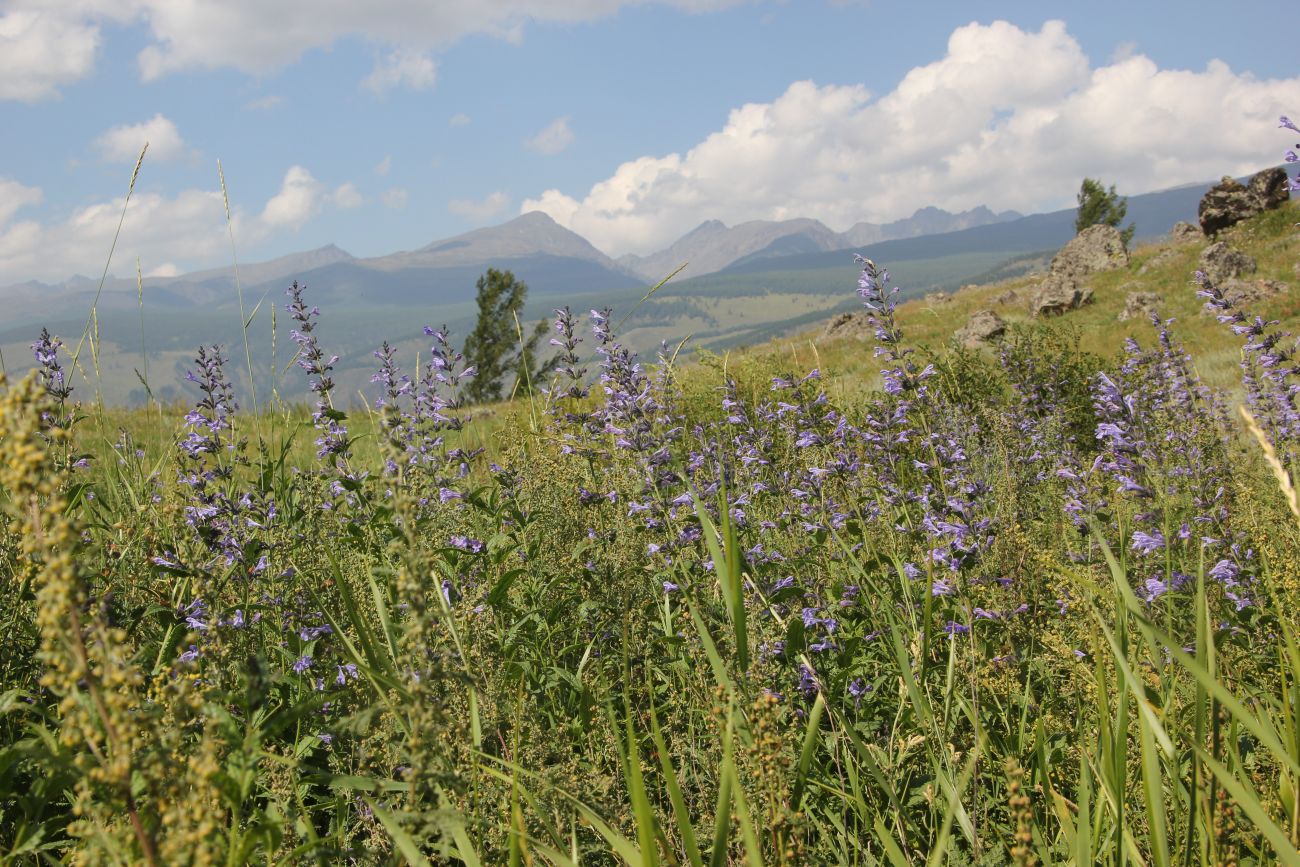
<point x="225" y="521"/>
<point x="1029" y="605"/>
<point x="332" y="434"/>
<point x="417" y="417"/>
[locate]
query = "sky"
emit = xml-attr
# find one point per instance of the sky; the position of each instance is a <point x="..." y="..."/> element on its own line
<point x="384" y="125"/>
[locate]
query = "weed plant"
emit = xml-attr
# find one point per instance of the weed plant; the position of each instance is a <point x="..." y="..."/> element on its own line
<point x="1032" y="607"/>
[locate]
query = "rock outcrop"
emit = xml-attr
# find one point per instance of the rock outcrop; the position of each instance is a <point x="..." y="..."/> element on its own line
<point x="1229" y="202"/>
<point x="1059" y="294"/>
<point x="1222" y="263"/>
<point x="1184" y="232"/>
<point x="984" y="327"/>
<point x="852" y="324"/>
<point x="1096" y="248"/>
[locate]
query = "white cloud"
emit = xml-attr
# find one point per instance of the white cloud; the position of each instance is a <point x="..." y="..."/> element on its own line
<point x="43" y="48"/>
<point x="155" y="228"/>
<point x="166" y="269"/>
<point x="298" y="201"/>
<point x="180" y="232"/>
<point x="459" y="119"/>
<point x="383" y="166"/>
<point x="479" y="211"/>
<point x="346" y="196"/>
<point x="1007" y="118"/>
<point x="123" y="143"/>
<point x="45" y="45"/>
<point x="554" y="138"/>
<point x="14" y="196"/>
<point x="404" y="67"/>
<point x="395" y="198"/>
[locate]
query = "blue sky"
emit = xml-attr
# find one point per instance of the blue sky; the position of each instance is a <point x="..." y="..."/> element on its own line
<point x="383" y="125"/>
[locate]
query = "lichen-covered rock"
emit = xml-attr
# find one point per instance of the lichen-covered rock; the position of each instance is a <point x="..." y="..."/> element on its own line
<point x="1096" y="248"/>
<point x="933" y="298"/>
<point x="1228" y="202"/>
<point x="1059" y="294"/>
<point x="1139" y="304"/>
<point x="1184" y="232"/>
<point x="1006" y="297"/>
<point x="983" y="327"/>
<point x="1221" y="262"/>
<point x="852" y="324"/>
<point x="1270" y="188"/>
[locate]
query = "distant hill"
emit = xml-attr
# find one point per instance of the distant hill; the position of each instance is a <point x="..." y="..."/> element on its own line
<point x="1152" y="213"/>
<point x="712" y="246"/>
<point x="782" y="279"/>
<point x="548" y="257"/>
<point x="532" y="234"/>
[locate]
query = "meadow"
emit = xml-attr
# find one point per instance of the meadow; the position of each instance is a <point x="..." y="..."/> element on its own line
<point x="852" y="602"/>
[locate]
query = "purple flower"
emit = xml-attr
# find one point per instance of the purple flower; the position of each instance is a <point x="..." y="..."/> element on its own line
<point x="311" y="633"/>
<point x="1224" y="571"/>
<point x="465" y="543"/>
<point x="302" y="664"/>
<point x="808" y="684"/>
<point x="1148" y="543"/>
<point x="1154" y="589"/>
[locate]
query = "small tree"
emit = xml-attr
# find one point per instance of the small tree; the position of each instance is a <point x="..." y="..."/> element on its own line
<point x="496" y="347"/>
<point x="1099" y="206"/>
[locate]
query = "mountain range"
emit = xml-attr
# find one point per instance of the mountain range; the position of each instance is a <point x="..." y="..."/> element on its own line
<point x="742" y="285"/>
<point x="550" y="258"/>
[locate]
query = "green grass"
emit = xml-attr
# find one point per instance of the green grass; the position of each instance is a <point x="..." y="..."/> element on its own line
<point x="638" y="664"/>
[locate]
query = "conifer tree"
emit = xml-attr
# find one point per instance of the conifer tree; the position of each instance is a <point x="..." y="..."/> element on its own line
<point x="496" y="348"/>
<point x="1099" y="206"/>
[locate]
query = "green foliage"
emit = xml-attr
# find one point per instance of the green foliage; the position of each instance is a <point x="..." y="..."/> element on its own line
<point x="381" y="690"/>
<point x="497" y="347"/>
<point x="1100" y="206"/>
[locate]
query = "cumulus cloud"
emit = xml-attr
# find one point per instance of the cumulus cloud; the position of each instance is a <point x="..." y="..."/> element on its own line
<point x="14" y="196"/>
<point x="298" y="200"/>
<point x="480" y="210"/>
<point x="1007" y="118"/>
<point x="178" y="233"/>
<point x="459" y="119"/>
<point x="45" y="45"/>
<point x="123" y="143"/>
<point x="405" y="67"/>
<point x="554" y="138"/>
<point x="154" y="229"/>
<point x="346" y="196"/>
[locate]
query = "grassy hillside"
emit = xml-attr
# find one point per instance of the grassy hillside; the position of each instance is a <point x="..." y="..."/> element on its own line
<point x="1035" y="608"/>
<point x="1164" y="268"/>
<point x="718" y="311"/>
